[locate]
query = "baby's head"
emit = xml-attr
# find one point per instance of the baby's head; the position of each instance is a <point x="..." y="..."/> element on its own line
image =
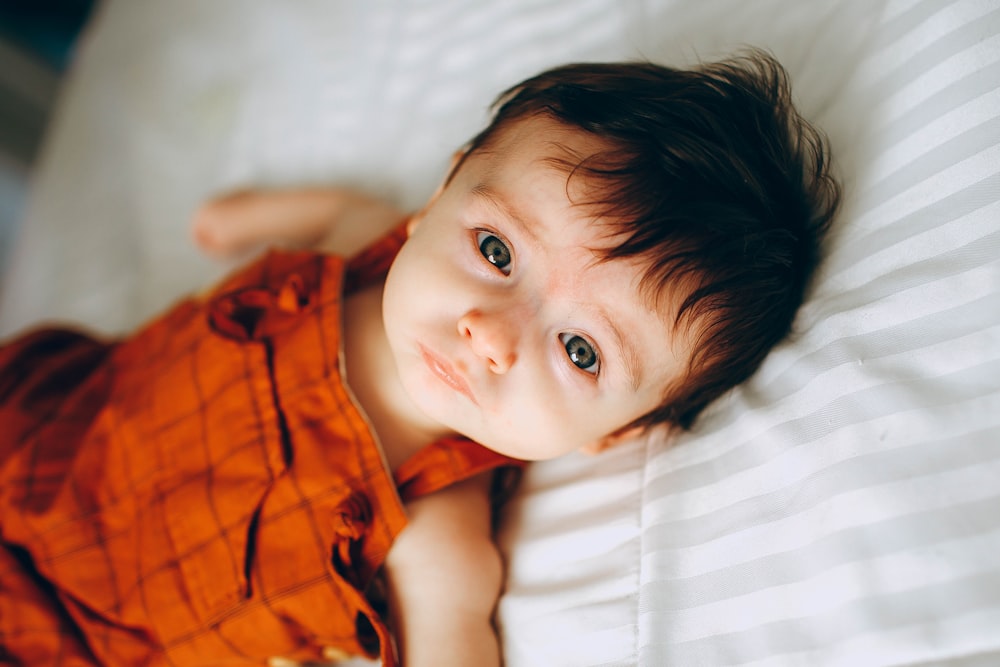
<point x="620" y="246"/>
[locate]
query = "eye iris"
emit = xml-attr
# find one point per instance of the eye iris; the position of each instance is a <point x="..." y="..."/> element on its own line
<point x="495" y="252"/>
<point x="580" y="352"/>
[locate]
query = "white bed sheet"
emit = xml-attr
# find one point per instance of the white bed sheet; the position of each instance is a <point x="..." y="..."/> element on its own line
<point x="841" y="508"/>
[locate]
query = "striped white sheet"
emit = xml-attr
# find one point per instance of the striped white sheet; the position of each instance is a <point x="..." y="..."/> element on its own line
<point x="840" y="508"/>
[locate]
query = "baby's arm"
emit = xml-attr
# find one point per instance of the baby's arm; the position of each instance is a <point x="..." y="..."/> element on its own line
<point x="333" y="220"/>
<point x="444" y="574"/>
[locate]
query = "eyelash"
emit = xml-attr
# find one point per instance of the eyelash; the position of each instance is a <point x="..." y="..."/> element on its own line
<point x="481" y="237"/>
<point x="566" y="338"/>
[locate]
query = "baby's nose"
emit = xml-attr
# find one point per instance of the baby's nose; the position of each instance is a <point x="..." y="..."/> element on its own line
<point x="492" y="338"/>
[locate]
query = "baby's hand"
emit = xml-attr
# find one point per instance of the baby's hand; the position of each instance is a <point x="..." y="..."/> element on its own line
<point x="334" y="220"/>
<point x="234" y="223"/>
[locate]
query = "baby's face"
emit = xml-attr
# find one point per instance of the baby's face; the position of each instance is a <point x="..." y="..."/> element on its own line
<point x="504" y="325"/>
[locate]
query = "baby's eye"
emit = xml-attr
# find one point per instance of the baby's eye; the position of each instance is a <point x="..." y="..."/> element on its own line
<point x="581" y="352"/>
<point x="495" y="251"/>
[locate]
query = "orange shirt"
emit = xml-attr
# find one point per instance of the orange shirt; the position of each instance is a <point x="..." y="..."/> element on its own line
<point x="204" y="492"/>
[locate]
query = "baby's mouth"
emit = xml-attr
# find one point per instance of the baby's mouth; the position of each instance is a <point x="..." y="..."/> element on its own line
<point x="447" y="373"/>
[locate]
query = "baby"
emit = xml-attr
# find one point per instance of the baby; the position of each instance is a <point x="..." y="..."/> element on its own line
<point x="620" y="246"/>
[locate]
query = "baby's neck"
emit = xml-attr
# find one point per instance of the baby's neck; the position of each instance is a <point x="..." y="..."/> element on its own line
<point x="372" y="377"/>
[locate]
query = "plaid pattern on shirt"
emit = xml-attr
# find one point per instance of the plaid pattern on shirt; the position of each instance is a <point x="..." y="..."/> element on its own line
<point x="204" y="492"/>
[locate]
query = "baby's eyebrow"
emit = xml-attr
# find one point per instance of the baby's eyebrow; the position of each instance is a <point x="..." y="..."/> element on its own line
<point x="627" y="352"/>
<point x="499" y="203"/>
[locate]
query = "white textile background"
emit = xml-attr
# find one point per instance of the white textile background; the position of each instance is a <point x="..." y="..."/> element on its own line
<point x="840" y="508"/>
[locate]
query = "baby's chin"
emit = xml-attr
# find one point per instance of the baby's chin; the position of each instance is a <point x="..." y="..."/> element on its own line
<point x="519" y="441"/>
<point x="526" y="449"/>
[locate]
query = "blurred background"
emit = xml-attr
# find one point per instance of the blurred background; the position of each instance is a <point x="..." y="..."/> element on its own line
<point x="37" y="38"/>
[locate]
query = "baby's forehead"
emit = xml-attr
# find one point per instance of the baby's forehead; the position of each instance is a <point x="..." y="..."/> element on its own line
<point x="659" y="294"/>
<point x="640" y="303"/>
<point x="544" y="137"/>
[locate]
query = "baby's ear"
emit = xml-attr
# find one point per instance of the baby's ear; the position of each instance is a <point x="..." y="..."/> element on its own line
<point x="415" y="219"/>
<point x="456" y="159"/>
<point x="611" y="440"/>
<point x="412" y="222"/>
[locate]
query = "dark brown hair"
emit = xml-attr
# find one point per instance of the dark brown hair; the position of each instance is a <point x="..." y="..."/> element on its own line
<point x="714" y="179"/>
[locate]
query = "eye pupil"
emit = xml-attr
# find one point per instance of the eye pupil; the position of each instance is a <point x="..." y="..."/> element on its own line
<point x="495" y="251"/>
<point x="580" y="352"/>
